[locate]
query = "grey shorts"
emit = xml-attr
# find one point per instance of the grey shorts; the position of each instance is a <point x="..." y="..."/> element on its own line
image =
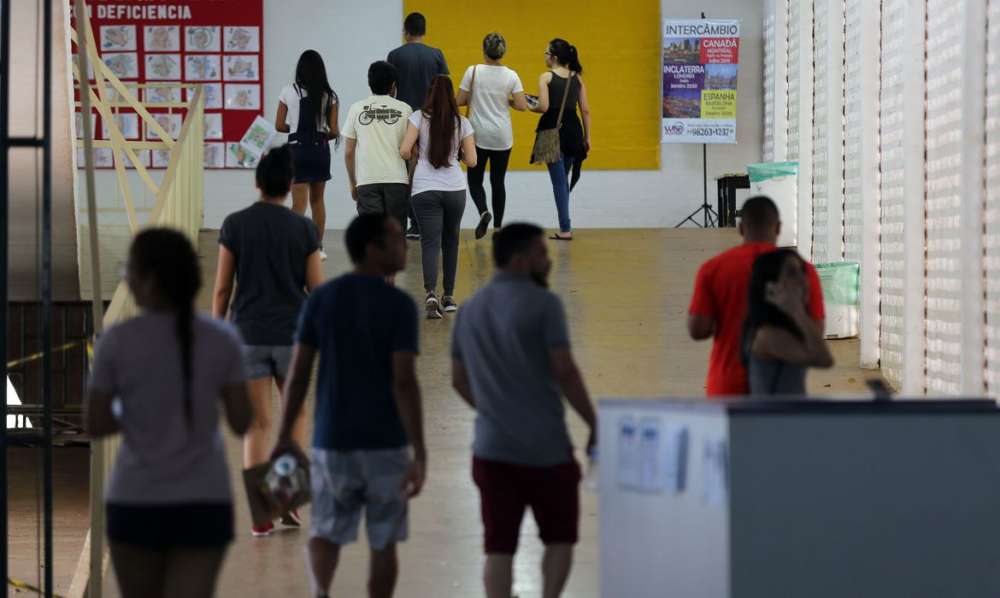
<point x="346" y="482"/>
<point x="385" y="198"/>
<point x="267" y="361"/>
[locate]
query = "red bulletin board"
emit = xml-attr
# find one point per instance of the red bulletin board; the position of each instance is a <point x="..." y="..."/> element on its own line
<point x="216" y="43"/>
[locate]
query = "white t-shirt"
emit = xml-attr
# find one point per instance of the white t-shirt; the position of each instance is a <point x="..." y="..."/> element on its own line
<point x="490" y="108"/>
<point x="163" y="460"/>
<point x="378" y="124"/>
<point x="290" y="96"/>
<point x="425" y="176"/>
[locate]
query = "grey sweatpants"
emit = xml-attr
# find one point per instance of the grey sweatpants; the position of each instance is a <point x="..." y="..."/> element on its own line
<point x="439" y="214"/>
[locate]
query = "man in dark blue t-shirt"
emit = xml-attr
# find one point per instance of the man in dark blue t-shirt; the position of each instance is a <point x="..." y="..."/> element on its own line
<point x="368" y="408"/>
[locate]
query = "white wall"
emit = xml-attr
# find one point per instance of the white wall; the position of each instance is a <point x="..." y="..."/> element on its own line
<point x="350" y="35"/>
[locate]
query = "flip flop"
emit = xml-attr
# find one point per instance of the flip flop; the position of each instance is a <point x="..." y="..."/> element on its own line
<point x="559" y="238"/>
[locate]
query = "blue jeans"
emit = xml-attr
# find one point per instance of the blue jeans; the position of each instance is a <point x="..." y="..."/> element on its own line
<point x="559" y="173"/>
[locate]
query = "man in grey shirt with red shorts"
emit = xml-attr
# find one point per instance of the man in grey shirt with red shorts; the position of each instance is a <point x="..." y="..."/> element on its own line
<point x="511" y="362"/>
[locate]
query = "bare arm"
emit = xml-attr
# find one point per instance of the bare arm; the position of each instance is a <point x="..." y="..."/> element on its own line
<point x="279" y="120"/>
<point x="224" y="273"/>
<point x="296" y="386"/>
<point x="332" y="121"/>
<point x="314" y="271"/>
<point x="460" y="382"/>
<point x="463" y="97"/>
<point x="571" y="382"/>
<point x="97" y="415"/>
<point x="350" y="148"/>
<point x="543" y="93"/>
<point x="519" y="102"/>
<point x="585" y="113"/>
<point x="406" y="391"/>
<point x="701" y="327"/>
<point x="409" y="140"/>
<point x="239" y="411"/>
<point x="778" y="344"/>
<point x="469" y="151"/>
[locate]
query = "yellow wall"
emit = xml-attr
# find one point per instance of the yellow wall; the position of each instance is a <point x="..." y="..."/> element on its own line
<point x="619" y="45"/>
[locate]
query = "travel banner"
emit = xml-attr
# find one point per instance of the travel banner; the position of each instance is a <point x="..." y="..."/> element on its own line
<point x="700" y="67"/>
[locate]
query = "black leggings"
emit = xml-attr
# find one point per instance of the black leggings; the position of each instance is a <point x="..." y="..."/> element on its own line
<point x="498" y="170"/>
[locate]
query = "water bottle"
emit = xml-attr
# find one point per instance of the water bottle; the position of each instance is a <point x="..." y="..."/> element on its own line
<point x="591" y="480"/>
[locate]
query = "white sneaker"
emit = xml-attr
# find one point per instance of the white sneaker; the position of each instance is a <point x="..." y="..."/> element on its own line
<point x="322" y="255"/>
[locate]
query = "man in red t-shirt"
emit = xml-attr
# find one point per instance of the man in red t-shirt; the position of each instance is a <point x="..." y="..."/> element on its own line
<point x="719" y="305"/>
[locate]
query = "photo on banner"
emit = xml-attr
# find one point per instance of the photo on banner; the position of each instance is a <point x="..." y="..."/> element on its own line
<point x="700" y="71"/>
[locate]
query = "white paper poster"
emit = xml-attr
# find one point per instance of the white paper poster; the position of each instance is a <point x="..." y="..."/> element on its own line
<point x="628" y="453"/>
<point x="258" y="137"/>
<point x="715" y="473"/>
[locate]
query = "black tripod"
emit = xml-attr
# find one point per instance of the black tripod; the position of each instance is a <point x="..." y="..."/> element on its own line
<point x="709" y="217"/>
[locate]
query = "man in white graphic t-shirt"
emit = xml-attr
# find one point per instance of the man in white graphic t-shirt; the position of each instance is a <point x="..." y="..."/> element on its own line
<point x="374" y="130"/>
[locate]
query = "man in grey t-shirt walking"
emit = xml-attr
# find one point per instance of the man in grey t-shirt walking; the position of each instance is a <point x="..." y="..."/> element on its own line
<point x="511" y="362"/>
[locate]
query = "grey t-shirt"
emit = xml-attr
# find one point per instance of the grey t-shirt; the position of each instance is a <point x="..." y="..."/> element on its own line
<point x="162" y="460"/>
<point x="416" y="65"/>
<point x="503" y="336"/>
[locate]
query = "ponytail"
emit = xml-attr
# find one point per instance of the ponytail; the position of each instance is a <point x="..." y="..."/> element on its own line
<point x="565" y="54"/>
<point x="167" y="257"/>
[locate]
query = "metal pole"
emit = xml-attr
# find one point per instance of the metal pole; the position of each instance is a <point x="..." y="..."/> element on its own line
<point x="4" y="226"/>
<point x="46" y="284"/>
<point x="704" y="179"/>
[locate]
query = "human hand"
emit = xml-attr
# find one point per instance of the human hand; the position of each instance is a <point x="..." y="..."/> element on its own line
<point x="413" y="483"/>
<point x="354" y="193"/>
<point x="586" y="144"/>
<point x="592" y="441"/>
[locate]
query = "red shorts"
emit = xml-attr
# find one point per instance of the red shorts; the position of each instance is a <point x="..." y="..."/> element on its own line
<point x="505" y="490"/>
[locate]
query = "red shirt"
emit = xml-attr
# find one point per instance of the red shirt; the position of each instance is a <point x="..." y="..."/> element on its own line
<point x="720" y="292"/>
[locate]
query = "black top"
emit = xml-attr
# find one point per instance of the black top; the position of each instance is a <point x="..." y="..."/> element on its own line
<point x="571" y="134"/>
<point x="357" y="323"/>
<point x="271" y="244"/>
<point x="416" y="65"/>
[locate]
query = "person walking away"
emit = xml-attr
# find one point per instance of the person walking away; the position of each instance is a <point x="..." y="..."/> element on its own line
<point x="445" y="138"/>
<point x="368" y="406"/>
<point x="416" y="66"/>
<point x="273" y="254"/>
<point x="161" y="380"/>
<point x="780" y="340"/>
<point x="490" y="90"/>
<point x="512" y="363"/>
<point x="307" y="111"/>
<point x="374" y="130"/>
<point x="718" y="307"/>
<point x="560" y="91"/>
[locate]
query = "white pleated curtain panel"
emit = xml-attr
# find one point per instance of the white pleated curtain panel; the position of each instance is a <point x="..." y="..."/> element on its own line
<point x="892" y="109"/>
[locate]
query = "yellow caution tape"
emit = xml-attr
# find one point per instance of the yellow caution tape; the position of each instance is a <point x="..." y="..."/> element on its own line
<point x="19" y="585"/>
<point x="40" y="354"/>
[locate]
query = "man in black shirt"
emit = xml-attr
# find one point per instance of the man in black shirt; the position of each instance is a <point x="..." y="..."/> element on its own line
<point x="416" y="65"/>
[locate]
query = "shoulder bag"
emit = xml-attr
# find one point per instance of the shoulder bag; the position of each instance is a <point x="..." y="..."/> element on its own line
<point x="547" y="147"/>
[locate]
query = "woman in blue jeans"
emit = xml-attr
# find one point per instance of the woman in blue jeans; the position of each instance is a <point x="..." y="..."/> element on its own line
<point x="564" y="78"/>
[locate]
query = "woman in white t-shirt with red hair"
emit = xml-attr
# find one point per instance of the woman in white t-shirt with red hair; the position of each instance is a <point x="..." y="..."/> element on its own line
<point x="490" y="90"/>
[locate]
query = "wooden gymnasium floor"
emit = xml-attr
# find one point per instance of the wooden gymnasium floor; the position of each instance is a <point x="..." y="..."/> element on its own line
<point x="626" y="294"/>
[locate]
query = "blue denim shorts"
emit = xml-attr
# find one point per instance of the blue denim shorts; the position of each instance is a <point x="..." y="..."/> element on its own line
<point x="267" y="361"/>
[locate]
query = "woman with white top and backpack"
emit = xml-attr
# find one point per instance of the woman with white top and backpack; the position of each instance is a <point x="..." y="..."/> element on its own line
<point x="490" y="90"/>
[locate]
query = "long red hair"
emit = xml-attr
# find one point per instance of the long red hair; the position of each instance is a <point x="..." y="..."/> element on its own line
<point x="441" y="109"/>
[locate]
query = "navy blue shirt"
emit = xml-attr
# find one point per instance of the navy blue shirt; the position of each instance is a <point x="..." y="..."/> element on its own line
<point x="357" y="323"/>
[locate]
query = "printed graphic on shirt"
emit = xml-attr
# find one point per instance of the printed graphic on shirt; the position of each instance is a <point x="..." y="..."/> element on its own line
<point x="372" y="113"/>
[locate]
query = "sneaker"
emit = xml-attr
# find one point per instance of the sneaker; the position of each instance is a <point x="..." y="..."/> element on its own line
<point x="322" y="255"/>
<point x="291" y="519"/>
<point x="413" y="233"/>
<point x="433" y="307"/>
<point x="262" y="530"/>
<point x="484" y="223"/>
<point x="449" y="305"/>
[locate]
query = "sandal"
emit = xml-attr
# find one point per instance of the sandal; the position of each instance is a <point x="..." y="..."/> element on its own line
<point x="557" y="237"/>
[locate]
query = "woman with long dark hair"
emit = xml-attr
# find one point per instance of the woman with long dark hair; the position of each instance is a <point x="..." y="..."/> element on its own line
<point x="781" y="341"/>
<point x="560" y="92"/>
<point x="490" y="90"/>
<point x="159" y="379"/>
<point x="444" y="137"/>
<point x="307" y="111"/>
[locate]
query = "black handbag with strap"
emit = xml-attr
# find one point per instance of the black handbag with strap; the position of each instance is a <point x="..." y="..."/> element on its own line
<point x="548" y="147"/>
